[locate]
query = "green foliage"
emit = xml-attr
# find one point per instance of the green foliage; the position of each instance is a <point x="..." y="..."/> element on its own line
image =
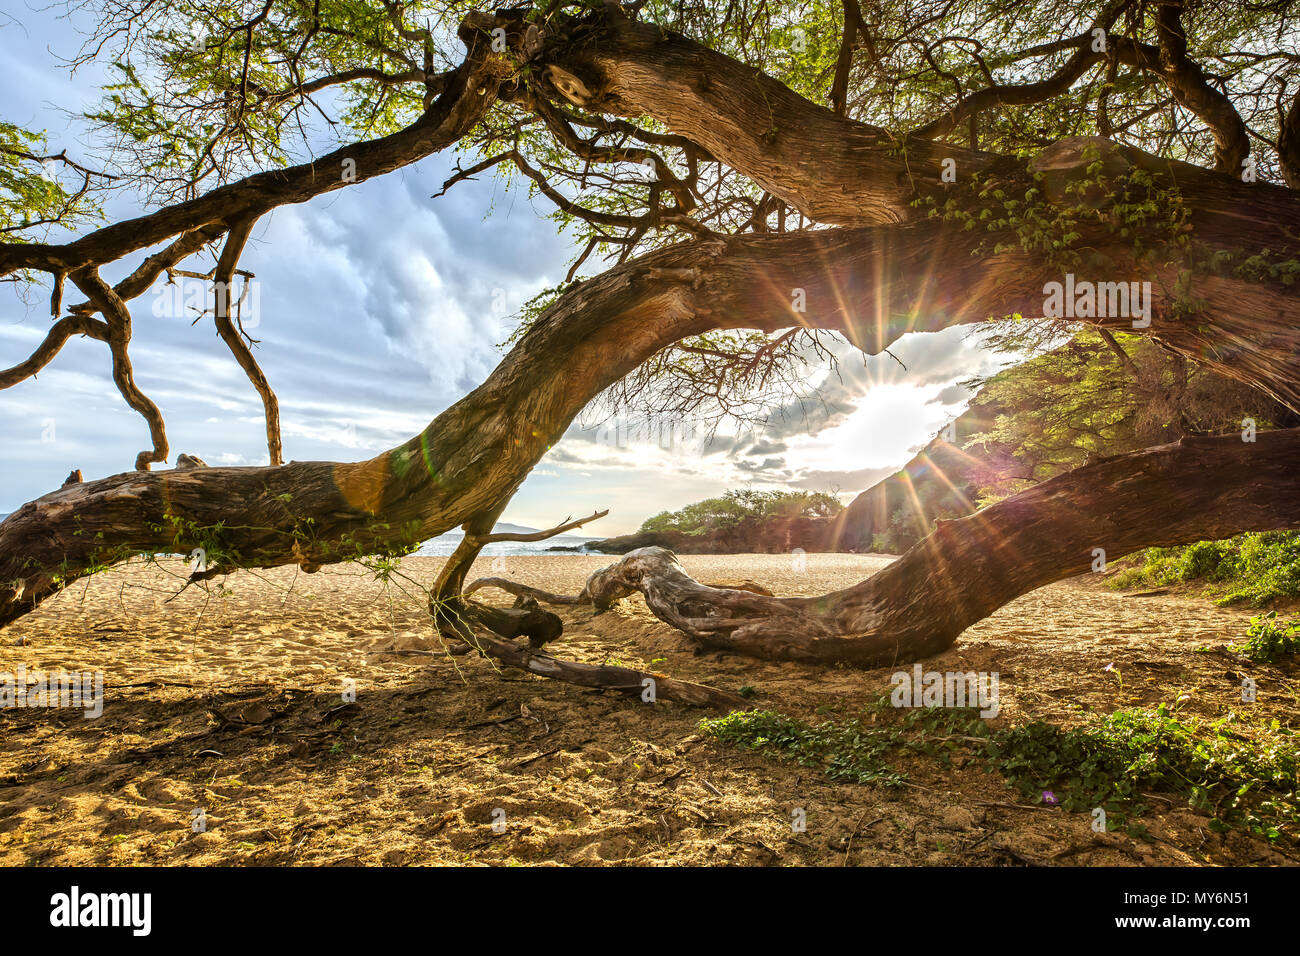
<point x="187" y="535"/>
<point x="713" y="515"/>
<point x="843" y="751"/>
<point x="378" y="546"/>
<point x="206" y="92"/>
<point x="1267" y="568"/>
<point x="1131" y="204"/>
<point x="1081" y="400"/>
<point x="1059" y="410"/>
<point x="899" y="535"/>
<point x="1074" y="401"/>
<point x="1260" y="267"/>
<point x="32" y="194"/>
<point x="1210" y="560"/>
<point x="1256" y="568"/>
<point x="852" y="750"/>
<point x="1240" y="773"/>
<point x="1267" y="638"/>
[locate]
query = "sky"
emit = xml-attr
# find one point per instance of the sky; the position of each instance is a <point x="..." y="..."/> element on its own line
<point x="379" y="307"/>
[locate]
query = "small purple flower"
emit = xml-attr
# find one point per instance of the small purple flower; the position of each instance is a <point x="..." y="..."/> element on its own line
<point x="1109" y="667"/>
<point x="1049" y="797"/>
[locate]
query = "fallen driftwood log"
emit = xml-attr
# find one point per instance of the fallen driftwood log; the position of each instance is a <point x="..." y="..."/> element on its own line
<point x="490" y="630"/>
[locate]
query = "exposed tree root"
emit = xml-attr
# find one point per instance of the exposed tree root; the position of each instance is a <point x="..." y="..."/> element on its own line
<point x="525" y="591"/>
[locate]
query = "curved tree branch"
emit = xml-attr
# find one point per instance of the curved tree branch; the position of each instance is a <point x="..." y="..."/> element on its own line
<point x="225" y="302"/>
<point x="469" y="90"/>
<point x="1119" y="49"/>
<point x="117" y="316"/>
<point x="1190" y="87"/>
<point x="746" y="119"/>
<point x="60" y="332"/>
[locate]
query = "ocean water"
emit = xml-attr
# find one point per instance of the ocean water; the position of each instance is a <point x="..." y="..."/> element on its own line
<point x="445" y="544"/>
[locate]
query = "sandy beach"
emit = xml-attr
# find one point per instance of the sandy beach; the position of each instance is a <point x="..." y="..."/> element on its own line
<point x="228" y="702"/>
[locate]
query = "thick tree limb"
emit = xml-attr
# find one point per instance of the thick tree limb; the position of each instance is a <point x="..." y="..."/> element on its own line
<point x="831" y="169"/>
<point x="1190" y="87"/>
<point x="916" y="607"/>
<point x="861" y="174"/>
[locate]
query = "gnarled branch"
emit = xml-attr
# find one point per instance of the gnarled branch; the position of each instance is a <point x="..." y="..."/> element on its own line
<point x="117" y="316"/>
<point x="1190" y="87"/>
<point x="223" y="277"/>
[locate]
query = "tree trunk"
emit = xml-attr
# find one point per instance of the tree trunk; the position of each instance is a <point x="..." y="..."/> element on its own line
<point x="873" y="283"/>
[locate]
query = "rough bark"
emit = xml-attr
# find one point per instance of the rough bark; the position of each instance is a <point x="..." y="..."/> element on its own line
<point x="831" y="169"/>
